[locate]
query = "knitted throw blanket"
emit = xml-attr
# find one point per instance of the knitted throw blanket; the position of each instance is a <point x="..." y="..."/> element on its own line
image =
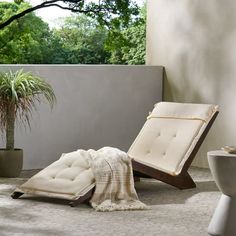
<point x="114" y="181"/>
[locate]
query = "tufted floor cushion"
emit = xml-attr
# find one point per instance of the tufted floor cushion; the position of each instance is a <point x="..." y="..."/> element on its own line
<point x="69" y="177"/>
<point x="170" y="134"/>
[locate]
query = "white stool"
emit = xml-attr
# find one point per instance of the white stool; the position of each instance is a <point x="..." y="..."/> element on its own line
<point x="223" y="169"/>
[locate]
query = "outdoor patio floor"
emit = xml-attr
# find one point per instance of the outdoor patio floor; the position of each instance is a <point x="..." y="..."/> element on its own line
<point x="173" y="212"/>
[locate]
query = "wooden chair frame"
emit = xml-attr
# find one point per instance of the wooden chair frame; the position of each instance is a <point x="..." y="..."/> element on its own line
<point x="81" y="199"/>
<point x="182" y="180"/>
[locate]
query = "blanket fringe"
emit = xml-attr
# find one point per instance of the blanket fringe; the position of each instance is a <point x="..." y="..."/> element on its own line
<point x="108" y="206"/>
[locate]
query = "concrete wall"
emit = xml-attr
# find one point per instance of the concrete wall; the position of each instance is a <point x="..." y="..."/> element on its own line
<point x="96" y="106"/>
<point x="195" y="41"/>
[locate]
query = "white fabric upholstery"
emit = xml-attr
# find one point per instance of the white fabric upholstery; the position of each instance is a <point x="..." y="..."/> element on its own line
<point x="170" y="134"/>
<point x="69" y="177"/>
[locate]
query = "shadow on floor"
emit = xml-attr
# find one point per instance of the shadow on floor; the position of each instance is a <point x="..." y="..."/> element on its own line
<point x="154" y="192"/>
<point x="30" y="230"/>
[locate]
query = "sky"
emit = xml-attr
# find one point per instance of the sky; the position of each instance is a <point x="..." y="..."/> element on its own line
<point x="52" y="14"/>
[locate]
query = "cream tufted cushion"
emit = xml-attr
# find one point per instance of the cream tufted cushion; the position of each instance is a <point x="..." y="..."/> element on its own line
<point x="170" y="134"/>
<point x="69" y="178"/>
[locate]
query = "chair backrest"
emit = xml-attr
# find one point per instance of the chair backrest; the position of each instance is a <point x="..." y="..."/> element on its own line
<point x="170" y="134"/>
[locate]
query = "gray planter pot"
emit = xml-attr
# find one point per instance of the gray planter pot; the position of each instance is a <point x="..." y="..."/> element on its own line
<point x="11" y="162"/>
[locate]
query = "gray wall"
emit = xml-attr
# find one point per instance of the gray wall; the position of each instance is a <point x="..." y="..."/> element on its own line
<point x="195" y="41"/>
<point x="96" y="106"/>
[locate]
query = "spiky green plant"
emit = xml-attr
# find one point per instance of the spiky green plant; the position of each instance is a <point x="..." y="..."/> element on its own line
<point x="19" y="94"/>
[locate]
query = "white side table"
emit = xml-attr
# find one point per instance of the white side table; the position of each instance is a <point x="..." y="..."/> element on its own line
<point x="223" y="169"/>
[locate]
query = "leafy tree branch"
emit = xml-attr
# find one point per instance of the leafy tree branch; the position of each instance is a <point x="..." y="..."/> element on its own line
<point x="106" y="11"/>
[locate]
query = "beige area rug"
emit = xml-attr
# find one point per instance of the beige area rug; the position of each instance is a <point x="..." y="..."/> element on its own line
<point x="173" y="212"/>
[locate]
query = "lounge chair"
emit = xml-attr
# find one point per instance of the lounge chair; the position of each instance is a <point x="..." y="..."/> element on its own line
<point x="169" y="140"/>
<point x="164" y="150"/>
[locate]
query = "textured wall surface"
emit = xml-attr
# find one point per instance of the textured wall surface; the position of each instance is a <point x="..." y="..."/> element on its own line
<point x="96" y="106"/>
<point x="195" y="41"/>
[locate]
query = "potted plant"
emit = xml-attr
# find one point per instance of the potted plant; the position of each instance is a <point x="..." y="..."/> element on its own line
<point x="19" y="93"/>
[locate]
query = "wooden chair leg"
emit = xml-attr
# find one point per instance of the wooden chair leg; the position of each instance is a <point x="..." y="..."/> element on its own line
<point x="136" y="179"/>
<point x="184" y="181"/>
<point x="16" y="195"/>
<point x="82" y="199"/>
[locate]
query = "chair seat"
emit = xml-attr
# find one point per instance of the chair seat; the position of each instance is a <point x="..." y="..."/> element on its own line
<point x="68" y="178"/>
<point x="169" y="135"/>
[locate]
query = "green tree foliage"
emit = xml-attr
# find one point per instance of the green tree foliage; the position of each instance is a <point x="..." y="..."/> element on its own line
<point x="128" y="45"/>
<point x="109" y="12"/>
<point x="82" y="41"/>
<point x="26" y="40"/>
<point x="85" y="41"/>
